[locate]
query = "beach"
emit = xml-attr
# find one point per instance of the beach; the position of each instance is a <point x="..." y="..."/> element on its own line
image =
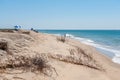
<point x="105" y="41"/>
<point x="27" y="55"/>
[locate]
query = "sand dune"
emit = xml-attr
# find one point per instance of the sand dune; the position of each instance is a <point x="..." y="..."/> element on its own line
<point x="27" y="55"/>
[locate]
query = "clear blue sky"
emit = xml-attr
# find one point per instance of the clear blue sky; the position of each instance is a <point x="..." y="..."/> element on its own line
<point x="60" y="14"/>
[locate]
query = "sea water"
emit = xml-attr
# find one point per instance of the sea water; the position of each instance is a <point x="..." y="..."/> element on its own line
<point x="106" y="41"/>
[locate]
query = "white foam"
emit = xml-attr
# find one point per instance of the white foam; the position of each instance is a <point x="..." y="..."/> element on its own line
<point x="69" y="35"/>
<point x="115" y="59"/>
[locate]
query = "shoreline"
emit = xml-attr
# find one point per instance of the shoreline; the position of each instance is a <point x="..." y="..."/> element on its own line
<point x="103" y="50"/>
<point x="100" y="51"/>
<point x="106" y="53"/>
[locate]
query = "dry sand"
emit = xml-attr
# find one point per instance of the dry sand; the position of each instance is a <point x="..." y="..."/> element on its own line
<point x="69" y="60"/>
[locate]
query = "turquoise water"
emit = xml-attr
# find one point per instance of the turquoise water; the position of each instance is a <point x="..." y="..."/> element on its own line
<point x="107" y="40"/>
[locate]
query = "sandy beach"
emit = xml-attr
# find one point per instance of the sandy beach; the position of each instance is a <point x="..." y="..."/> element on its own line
<point x="27" y="55"/>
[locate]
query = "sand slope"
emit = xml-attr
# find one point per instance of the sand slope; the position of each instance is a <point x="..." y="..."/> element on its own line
<point x="69" y="60"/>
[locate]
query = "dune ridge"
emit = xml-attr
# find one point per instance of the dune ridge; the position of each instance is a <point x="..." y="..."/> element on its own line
<point x="27" y="55"/>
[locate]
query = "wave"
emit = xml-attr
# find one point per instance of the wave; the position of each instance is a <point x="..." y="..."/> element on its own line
<point x="115" y="59"/>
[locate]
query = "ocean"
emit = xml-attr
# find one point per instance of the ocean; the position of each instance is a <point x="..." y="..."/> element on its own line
<point x="106" y="41"/>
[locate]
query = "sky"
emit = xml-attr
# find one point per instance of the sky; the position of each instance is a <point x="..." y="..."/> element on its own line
<point x="60" y="14"/>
